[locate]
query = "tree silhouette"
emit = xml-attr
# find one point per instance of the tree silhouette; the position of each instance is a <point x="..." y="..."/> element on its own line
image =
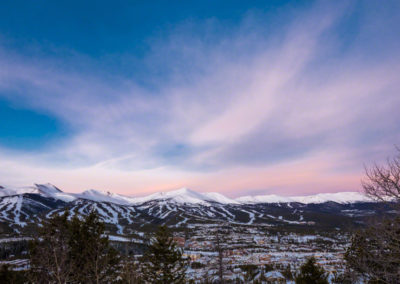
<point x="374" y="252"/>
<point x="311" y="273"/>
<point x="163" y="261"/>
<point x="72" y="251"/>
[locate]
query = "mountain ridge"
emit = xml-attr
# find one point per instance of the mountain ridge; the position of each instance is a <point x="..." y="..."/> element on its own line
<point x="182" y="196"/>
<point x="23" y="209"/>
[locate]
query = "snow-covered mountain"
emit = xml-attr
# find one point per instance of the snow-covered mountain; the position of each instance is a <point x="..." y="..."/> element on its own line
<point x="47" y="190"/>
<point x="271" y="198"/>
<point x="21" y="209"/>
<point x="339" y="197"/>
<point x="183" y="195"/>
<point x="105" y="196"/>
<point x="10" y="191"/>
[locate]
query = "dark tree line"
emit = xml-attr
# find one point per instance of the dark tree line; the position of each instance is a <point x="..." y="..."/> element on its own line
<point x="311" y="273"/>
<point x="70" y="250"/>
<point x="16" y="249"/>
<point x="163" y="262"/>
<point x="73" y="250"/>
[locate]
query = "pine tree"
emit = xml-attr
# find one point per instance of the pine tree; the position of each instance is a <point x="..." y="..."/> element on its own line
<point x="130" y="272"/>
<point x="287" y="272"/>
<point x="163" y="261"/>
<point x="92" y="255"/>
<point x="374" y="252"/>
<point x="73" y="251"/>
<point x="311" y="273"/>
<point x="250" y="272"/>
<point x="50" y="254"/>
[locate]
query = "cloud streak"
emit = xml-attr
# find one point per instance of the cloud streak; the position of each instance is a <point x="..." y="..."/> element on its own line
<point x="246" y="109"/>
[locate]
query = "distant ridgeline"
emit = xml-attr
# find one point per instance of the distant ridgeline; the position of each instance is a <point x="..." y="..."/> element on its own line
<point x="22" y="209"/>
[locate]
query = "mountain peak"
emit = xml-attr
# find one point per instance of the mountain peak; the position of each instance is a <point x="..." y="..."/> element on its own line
<point x="182" y="195"/>
<point x="105" y="196"/>
<point x="184" y="190"/>
<point x="186" y="195"/>
<point x="95" y="192"/>
<point x="47" y="188"/>
<point x="339" y="197"/>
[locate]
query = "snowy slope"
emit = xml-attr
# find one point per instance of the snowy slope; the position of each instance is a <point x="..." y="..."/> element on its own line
<point x="188" y="196"/>
<point x="185" y="195"/>
<point x="180" y="196"/>
<point x="23" y="208"/>
<point x="105" y="196"/>
<point x="339" y="197"/>
<point x="47" y="190"/>
<point x="218" y="197"/>
<point x="271" y="198"/>
<point x="8" y="191"/>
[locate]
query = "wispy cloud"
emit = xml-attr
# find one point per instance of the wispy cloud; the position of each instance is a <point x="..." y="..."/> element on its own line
<point x="293" y="108"/>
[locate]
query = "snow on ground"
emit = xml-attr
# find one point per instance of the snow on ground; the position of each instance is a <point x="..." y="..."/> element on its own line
<point x="271" y="198"/>
<point x="105" y="196"/>
<point x="251" y="216"/>
<point x="181" y="222"/>
<point x="17" y="239"/>
<point x="17" y="212"/>
<point x="339" y="197"/>
<point x="124" y="239"/>
<point x="17" y="264"/>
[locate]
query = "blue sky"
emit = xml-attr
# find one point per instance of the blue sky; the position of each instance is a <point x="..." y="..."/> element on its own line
<point x="286" y="97"/>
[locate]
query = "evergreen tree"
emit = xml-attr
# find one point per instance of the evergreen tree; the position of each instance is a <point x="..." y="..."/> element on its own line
<point x="91" y="253"/>
<point x="50" y="254"/>
<point x="374" y="252"/>
<point x="287" y="272"/>
<point x="129" y="272"/>
<point x="163" y="261"/>
<point x="250" y="271"/>
<point x="346" y="277"/>
<point x="73" y="251"/>
<point x="311" y="273"/>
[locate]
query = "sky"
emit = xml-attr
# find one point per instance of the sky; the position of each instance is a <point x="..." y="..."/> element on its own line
<point x="238" y="97"/>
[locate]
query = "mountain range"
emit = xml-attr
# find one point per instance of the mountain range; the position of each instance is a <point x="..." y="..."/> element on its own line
<point x="183" y="195"/>
<point x="22" y="209"/>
